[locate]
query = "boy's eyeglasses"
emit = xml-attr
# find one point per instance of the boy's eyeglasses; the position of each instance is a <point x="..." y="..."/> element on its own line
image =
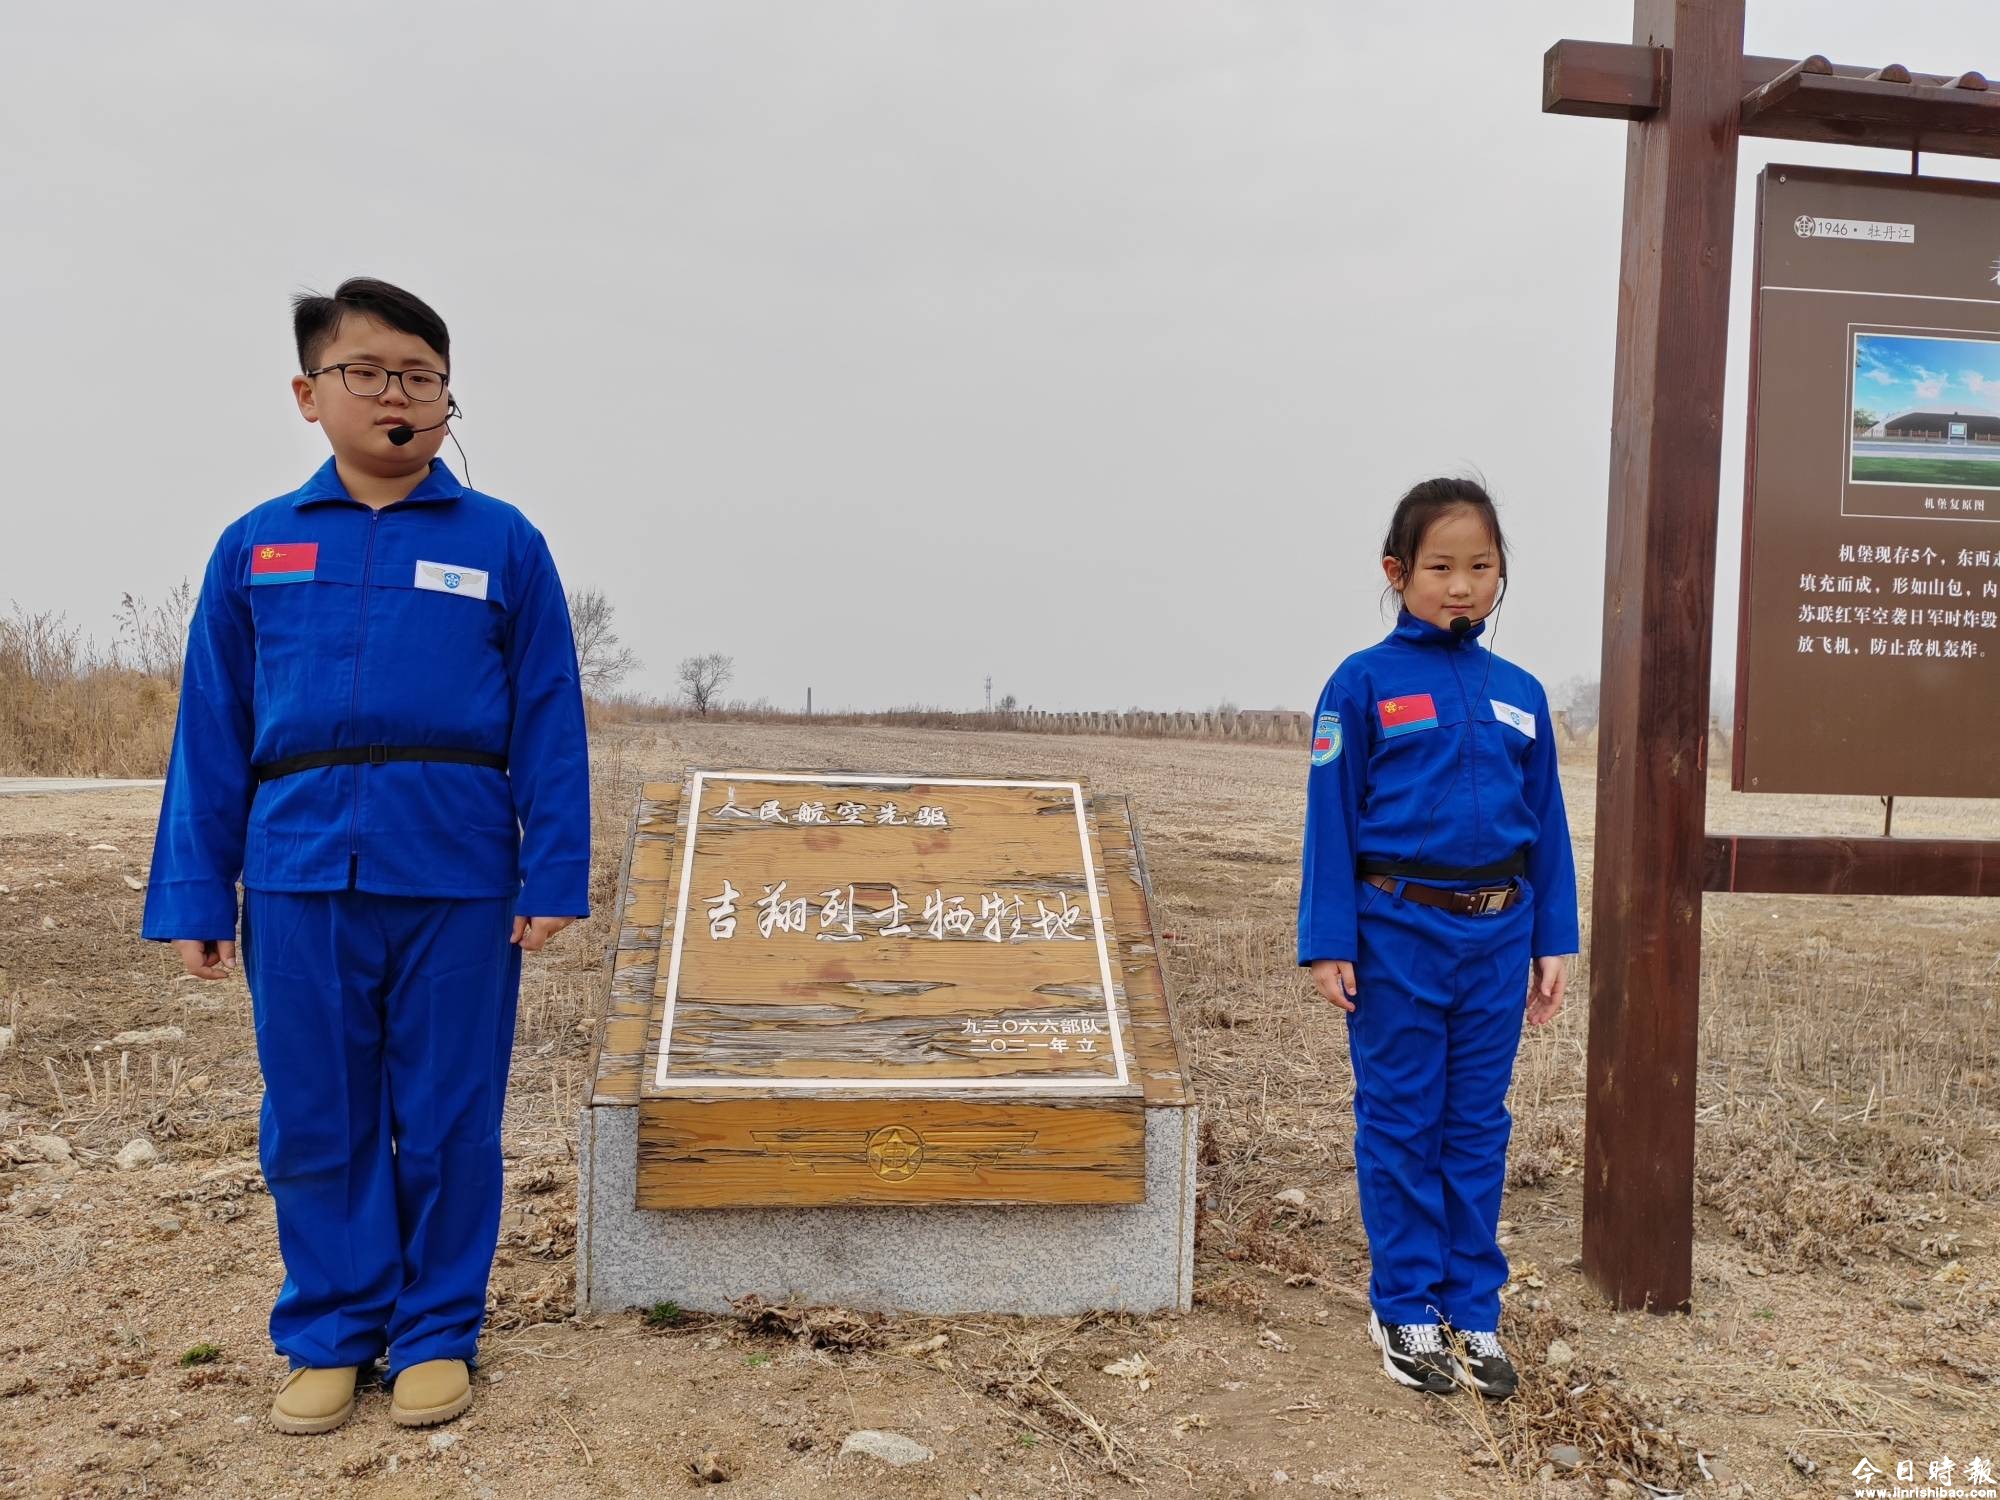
<point x="373" y="380"/>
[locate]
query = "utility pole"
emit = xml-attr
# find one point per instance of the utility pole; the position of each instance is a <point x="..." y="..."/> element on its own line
<point x="989" y="692"/>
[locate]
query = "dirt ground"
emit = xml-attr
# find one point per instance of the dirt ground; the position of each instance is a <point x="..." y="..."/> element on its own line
<point x="1847" y="1282"/>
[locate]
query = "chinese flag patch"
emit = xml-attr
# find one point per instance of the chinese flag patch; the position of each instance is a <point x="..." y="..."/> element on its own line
<point x="1410" y="712"/>
<point x="283" y="562"/>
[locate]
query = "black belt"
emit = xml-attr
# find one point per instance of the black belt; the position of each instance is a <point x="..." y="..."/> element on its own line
<point x="1474" y="902"/>
<point x="376" y="755"/>
<point x="1507" y="869"/>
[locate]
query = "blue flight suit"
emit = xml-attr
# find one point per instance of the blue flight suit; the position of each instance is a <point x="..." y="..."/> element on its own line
<point x="378" y="897"/>
<point x="1434" y="756"/>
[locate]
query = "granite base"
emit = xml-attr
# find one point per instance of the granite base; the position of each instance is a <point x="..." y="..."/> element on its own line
<point x="1030" y="1259"/>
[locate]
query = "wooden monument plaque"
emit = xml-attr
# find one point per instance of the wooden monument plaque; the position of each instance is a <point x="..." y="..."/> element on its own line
<point x="875" y="988"/>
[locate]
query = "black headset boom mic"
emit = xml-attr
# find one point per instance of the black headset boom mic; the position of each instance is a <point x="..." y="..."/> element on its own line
<point x="402" y="436"/>
<point x="1459" y="624"/>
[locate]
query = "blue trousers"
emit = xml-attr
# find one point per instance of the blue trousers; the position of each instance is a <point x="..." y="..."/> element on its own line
<point x="385" y="1025"/>
<point x="1441" y="998"/>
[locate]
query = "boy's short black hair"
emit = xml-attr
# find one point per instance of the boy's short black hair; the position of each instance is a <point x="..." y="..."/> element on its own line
<point x="315" y="319"/>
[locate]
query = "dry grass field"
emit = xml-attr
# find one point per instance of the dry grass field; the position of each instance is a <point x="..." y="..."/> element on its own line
<point x="69" y="707"/>
<point x="1847" y="1278"/>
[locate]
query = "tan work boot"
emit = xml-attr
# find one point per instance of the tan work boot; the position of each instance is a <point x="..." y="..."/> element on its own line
<point x="313" y="1401"/>
<point x="435" y="1391"/>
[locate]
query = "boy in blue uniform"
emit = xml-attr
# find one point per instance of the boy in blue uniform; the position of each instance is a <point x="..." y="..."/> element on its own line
<point x="382" y="733"/>
<point x="1437" y="866"/>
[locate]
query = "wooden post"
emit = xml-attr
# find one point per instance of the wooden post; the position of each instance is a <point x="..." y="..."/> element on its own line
<point x="1659" y="587"/>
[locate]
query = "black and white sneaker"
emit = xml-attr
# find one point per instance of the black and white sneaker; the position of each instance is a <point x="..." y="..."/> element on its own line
<point x="1482" y="1364"/>
<point x="1413" y="1354"/>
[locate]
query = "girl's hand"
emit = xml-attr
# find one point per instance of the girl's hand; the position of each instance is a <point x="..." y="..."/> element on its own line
<point x="1334" y="979"/>
<point x="532" y="932"/>
<point x="1545" y="989"/>
<point x="206" y="960"/>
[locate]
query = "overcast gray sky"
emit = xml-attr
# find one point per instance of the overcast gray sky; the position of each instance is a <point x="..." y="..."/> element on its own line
<point x="881" y="346"/>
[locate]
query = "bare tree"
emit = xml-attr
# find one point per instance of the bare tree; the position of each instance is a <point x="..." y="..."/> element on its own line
<point x="702" y="678"/>
<point x="1577" y="697"/>
<point x="601" y="663"/>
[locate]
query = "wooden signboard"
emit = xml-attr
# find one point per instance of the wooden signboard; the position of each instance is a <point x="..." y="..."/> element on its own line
<point x="1869" y="647"/>
<point x="888" y="989"/>
<point x="1688" y="91"/>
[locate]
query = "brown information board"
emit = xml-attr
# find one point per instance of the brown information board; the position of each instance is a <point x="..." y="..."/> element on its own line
<point x="1869" y="634"/>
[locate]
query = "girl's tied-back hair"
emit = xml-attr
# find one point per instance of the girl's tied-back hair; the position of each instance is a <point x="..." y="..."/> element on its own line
<point x="1426" y="502"/>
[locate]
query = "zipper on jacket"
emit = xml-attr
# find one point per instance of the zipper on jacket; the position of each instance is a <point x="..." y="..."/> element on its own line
<point x="1471" y="738"/>
<point x="354" y="701"/>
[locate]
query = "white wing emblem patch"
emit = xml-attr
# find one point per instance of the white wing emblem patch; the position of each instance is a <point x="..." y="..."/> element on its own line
<point x="452" y="578"/>
<point x="1519" y="718"/>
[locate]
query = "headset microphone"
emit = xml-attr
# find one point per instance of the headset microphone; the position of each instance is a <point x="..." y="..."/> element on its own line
<point x="402" y="436"/>
<point x="1460" y="625"/>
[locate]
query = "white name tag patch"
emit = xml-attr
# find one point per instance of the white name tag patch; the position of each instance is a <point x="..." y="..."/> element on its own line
<point x="450" y="578"/>
<point x="1506" y="713"/>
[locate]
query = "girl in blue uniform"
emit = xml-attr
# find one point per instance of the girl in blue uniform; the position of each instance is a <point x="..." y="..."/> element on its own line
<point x="1438" y="903"/>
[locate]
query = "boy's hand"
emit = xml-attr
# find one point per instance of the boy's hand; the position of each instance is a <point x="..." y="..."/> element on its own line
<point x="1545" y="989"/>
<point x="532" y="932"/>
<point x="207" y="960"/>
<point x="1334" y="979"/>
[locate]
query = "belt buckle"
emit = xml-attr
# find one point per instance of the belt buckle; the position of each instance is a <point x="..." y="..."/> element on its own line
<point x="1492" y="898"/>
<point x="378" y="755"/>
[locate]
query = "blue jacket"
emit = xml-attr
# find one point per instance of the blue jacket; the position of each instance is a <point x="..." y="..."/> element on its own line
<point x="1464" y="780"/>
<point x="436" y="621"/>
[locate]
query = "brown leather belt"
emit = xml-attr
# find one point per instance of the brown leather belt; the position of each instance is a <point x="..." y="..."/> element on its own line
<point x="1475" y="902"/>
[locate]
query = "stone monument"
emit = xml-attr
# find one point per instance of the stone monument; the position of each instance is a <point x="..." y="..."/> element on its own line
<point x="893" y="1041"/>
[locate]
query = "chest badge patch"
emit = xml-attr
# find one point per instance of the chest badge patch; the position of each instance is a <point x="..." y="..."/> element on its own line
<point x="1326" y="739"/>
<point x="1518" y="718"/>
<point x="451" y="578"/>
<point x="1407" y="714"/>
<point x="284" y="562"/>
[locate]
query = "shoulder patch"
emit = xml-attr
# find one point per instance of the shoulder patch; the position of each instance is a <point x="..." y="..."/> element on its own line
<point x="1326" y="738"/>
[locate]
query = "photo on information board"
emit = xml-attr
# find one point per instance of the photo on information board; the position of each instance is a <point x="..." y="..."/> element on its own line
<point x="1925" y="409"/>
